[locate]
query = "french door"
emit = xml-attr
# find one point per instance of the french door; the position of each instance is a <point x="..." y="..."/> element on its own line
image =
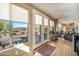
<point x="37" y="31"/>
<point x="40" y="30"/>
<point x="45" y="30"/>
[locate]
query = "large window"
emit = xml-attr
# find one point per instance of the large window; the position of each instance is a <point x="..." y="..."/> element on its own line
<point x="4" y="26"/>
<point x="19" y="25"/>
<point x="60" y="27"/>
<point x="45" y="28"/>
<point x="38" y="23"/>
<point x="13" y="25"/>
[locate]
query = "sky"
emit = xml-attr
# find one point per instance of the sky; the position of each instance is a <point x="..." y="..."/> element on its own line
<point x="17" y="24"/>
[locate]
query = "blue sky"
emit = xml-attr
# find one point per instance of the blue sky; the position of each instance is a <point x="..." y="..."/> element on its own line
<point x="17" y="24"/>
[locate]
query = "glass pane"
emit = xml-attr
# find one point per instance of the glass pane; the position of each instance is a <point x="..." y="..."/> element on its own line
<point x="60" y="28"/>
<point x="38" y="19"/>
<point x="19" y="14"/>
<point x="20" y="26"/>
<point x="4" y="11"/>
<point x="4" y="27"/>
<point x="37" y="34"/>
<point x="45" y="28"/>
<point x="45" y="21"/>
<point x="51" y="23"/>
<point x="51" y="32"/>
<point x="38" y="23"/>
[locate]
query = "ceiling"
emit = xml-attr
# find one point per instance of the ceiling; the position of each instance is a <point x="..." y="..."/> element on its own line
<point x="65" y="12"/>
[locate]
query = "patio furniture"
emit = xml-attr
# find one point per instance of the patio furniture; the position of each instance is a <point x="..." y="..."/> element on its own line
<point x="68" y="36"/>
<point x="55" y="36"/>
<point x="4" y="43"/>
<point x="16" y="39"/>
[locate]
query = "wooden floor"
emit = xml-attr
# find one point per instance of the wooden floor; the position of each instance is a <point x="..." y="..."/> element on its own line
<point x="63" y="48"/>
<point x="13" y="51"/>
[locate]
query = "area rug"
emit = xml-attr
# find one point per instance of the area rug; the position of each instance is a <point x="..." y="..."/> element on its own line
<point x="46" y="50"/>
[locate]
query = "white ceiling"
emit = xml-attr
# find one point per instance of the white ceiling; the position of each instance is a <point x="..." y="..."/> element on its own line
<point x="65" y="12"/>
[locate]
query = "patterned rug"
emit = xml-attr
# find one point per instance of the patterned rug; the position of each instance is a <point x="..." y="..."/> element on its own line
<point x="46" y="50"/>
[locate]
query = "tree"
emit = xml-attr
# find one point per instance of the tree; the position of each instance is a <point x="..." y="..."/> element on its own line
<point x="1" y="26"/>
